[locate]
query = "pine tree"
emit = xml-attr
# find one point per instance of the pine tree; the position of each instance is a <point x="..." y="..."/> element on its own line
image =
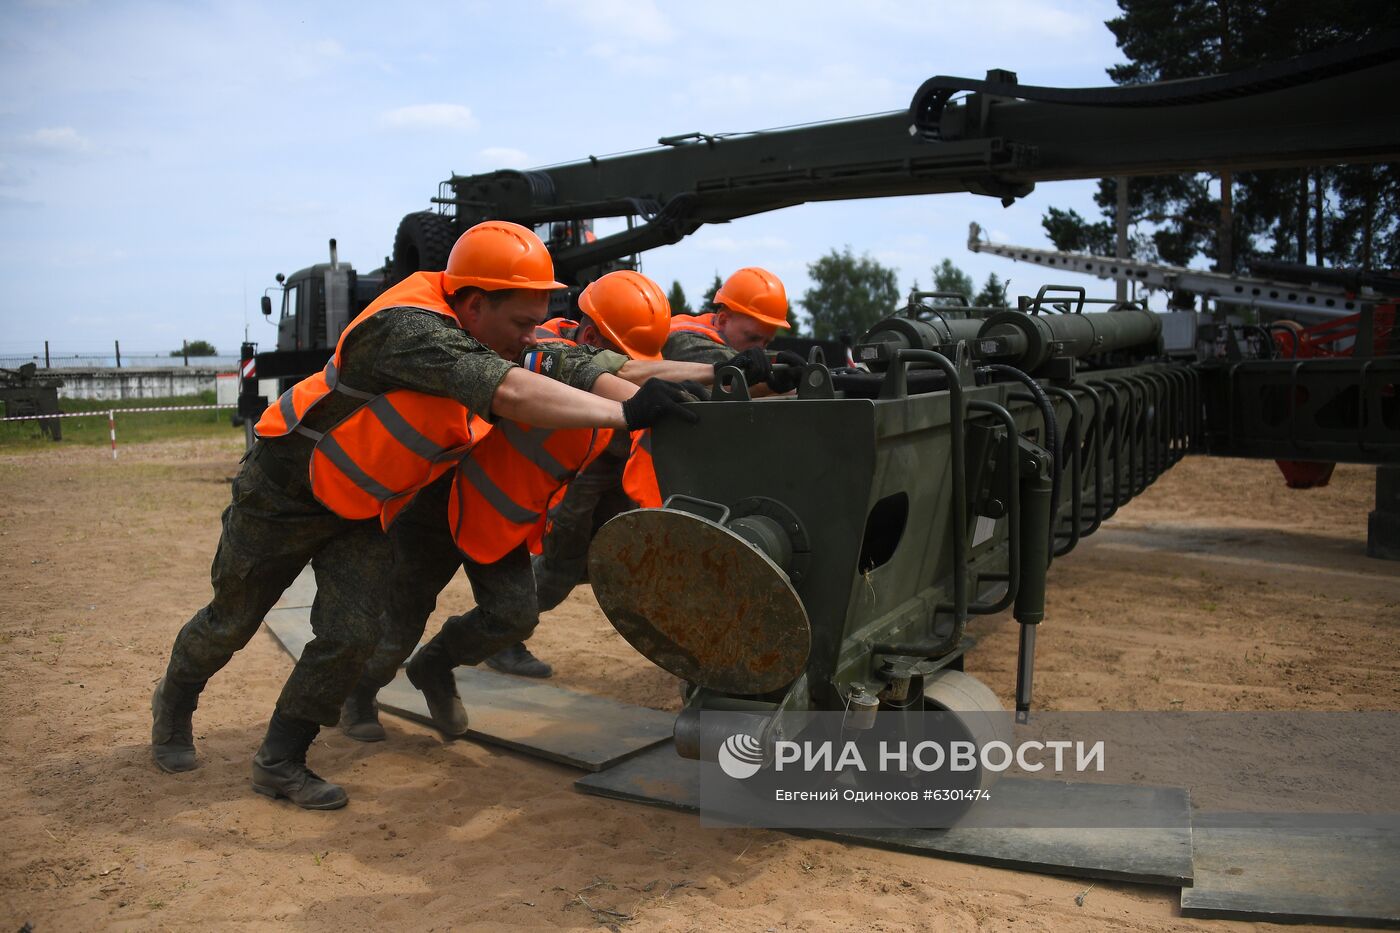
<point x="676" y="298"/>
<point x="993" y="293"/>
<point x="709" y="299"/>
<point x="1317" y="214"/>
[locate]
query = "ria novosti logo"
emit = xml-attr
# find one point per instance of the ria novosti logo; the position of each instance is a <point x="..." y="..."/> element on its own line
<point x="741" y="756"/>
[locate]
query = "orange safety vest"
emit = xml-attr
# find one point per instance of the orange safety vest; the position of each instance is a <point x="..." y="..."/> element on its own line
<point x="552" y="331"/>
<point x="503" y="492"/>
<point x="702" y="324"/>
<point x="639" y="476"/>
<point x="374" y="460"/>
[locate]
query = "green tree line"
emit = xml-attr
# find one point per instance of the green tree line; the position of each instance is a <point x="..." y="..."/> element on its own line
<point x="1327" y="215"/>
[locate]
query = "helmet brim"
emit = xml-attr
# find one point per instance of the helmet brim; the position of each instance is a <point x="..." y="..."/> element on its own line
<point x="452" y="283"/>
<point x="742" y="311"/>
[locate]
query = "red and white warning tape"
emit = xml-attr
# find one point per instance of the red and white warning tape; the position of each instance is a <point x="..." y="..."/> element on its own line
<point x="124" y="411"/>
<point x="111" y="414"/>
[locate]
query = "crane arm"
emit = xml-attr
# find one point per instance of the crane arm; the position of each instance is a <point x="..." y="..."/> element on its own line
<point x="1331" y="107"/>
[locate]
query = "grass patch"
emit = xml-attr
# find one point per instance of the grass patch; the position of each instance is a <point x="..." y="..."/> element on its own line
<point x="131" y="428"/>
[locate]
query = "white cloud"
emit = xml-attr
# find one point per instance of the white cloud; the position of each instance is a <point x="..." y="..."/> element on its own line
<point x="451" y="117"/>
<point x="58" y="139"/>
<point x="638" y="20"/>
<point x="504" y="157"/>
<point x="328" y="48"/>
<point x="626" y="57"/>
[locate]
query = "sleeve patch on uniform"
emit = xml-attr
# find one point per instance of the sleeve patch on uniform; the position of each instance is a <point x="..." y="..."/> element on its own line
<point x="544" y="362"/>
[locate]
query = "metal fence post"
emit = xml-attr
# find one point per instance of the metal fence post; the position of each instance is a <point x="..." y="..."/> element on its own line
<point x="46" y="354"/>
<point x="118" y="345"/>
<point x="185" y="346"/>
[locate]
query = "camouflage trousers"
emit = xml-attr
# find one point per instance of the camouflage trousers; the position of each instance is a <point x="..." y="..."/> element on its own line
<point x="272" y="529"/>
<point x="425" y="559"/>
<point x="594" y="496"/>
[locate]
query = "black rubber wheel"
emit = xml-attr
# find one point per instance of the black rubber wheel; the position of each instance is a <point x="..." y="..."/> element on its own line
<point x="422" y="242"/>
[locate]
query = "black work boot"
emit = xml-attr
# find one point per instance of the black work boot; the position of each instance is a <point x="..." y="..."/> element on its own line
<point x="430" y="670"/>
<point x="279" y="767"/>
<point x="517" y="659"/>
<point x="172" y="727"/>
<point x="359" y="717"/>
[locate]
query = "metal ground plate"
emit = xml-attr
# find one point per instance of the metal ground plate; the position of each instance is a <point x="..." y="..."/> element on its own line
<point x="1142" y="855"/>
<point x="536" y="718"/>
<point x="1268" y="873"/>
<point x="1294" y="874"/>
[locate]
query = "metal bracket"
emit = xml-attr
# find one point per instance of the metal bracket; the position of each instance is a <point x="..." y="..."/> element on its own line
<point x="730" y="385"/>
<point x="815" y="382"/>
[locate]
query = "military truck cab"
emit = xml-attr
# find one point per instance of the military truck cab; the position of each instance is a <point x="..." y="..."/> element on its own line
<point x="320" y="301"/>
<point x="317" y="304"/>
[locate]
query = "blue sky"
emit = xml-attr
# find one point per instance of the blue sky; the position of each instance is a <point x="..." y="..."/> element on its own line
<point x="159" y="162"/>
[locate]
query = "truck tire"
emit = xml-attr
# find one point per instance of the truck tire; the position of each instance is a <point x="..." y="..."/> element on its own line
<point x="422" y="243"/>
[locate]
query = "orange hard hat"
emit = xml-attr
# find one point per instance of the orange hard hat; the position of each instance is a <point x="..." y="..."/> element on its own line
<point x="498" y="254"/>
<point x="755" y="293"/>
<point x="631" y="310"/>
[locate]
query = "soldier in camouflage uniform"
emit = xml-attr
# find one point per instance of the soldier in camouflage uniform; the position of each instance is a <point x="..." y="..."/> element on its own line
<point x="275" y="524"/>
<point x="634" y="310"/>
<point x="425" y="559"/>
<point x="597" y="494"/>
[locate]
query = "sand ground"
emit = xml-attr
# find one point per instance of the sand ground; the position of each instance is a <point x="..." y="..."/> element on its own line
<point x="1218" y="589"/>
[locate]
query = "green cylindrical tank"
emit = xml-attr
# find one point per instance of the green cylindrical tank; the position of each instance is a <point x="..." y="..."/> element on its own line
<point x="1028" y="340"/>
<point x="878" y="345"/>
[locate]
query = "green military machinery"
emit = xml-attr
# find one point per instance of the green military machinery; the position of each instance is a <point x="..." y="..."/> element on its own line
<point x="26" y="393"/>
<point x="999" y="140"/>
<point x="825" y="552"/>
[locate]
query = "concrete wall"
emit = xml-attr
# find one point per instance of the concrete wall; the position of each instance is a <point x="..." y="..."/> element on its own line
<point x="128" y="383"/>
<point x="226" y="389"/>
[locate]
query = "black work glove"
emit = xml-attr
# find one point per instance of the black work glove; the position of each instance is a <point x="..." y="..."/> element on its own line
<point x="753" y="363"/>
<point x="656" y="399"/>
<point x="786" y="371"/>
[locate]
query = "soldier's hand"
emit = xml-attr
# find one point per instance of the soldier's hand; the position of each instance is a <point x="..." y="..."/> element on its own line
<point x="786" y="371"/>
<point x="657" y="399"/>
<point x="753" y="363"/>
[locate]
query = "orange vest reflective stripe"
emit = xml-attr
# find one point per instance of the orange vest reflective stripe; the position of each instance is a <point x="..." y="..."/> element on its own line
<point x="702" y="324"/>
<point x="503" y="491"/>
<point x="559" y="330"/>
<point x="375" y="459"/>
<point x="639" y="476"/>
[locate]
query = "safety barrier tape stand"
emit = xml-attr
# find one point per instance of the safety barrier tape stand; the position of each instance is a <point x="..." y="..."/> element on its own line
<point x="111" y="414"/>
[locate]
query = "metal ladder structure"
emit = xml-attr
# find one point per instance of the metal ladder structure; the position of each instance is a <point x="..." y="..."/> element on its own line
<point x="1290" y="298"/>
